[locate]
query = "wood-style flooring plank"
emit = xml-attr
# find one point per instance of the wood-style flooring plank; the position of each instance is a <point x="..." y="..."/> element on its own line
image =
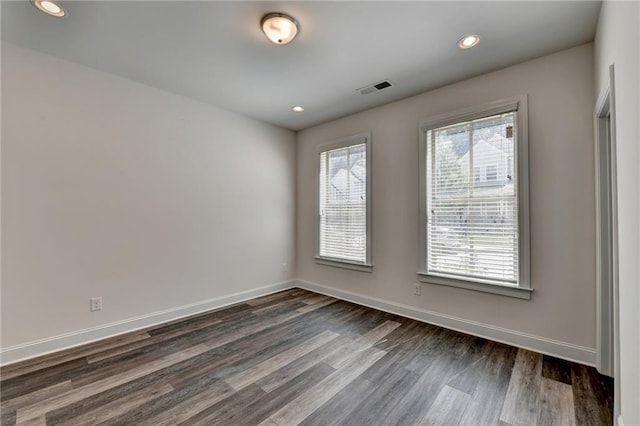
<point x="448" y="408"/>
<point x="166" y="402"/>
<point x="441" y="340"/>
<point x="421" y="395"/>
<point x="35" y="380"/>
<point x="411" y="332"/>
<point x="36" y="421"/>
<point x="228" y="312"/>
<point x="153" y="349"/>
<point x="240" y="355"/>
<point x="210" y="325"/>
<point x="314" y="298"/>
<point x="115" y="408"/>
<point x="334" y="411"/>
<point x="398" y="356"/>
<point x="556" y="369"/>
<point x="114" y="352"/>
<point x="383" y="399"/>
<point x="190" y="407"/>
<point x="267" y="367"/>
<point x="287" y="373"/>
<point x="469" y="366"/>
<point x="308" y="402"/>
<point x="348" y="352"/>
<point x="366" y="320"/>
<point x="286" y="305"/>
<point x="282" y="339"/>
<point x="149" y="353"/>
<point x="42" y="362"/>
<point x="228" y="407"/>
<point x="556" y="404"/>
<point x="317" y="305"/>
<point x="41" y="408"/>
<point x="122" y="392"/>
<point x="591" y="405"/>
<point x="521" y="403"/>
<point x="35" y="396"/>
<point x="491" y="387"/>
<point x="7" y="418"/>
<point x="260" y="409"/>
<point x="251" y="329"/>
<point x="338" y="317"/>
<point x="270" y="298"/>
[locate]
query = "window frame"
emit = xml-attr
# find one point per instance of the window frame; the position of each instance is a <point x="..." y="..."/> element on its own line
<point x="346" y="142"/>
<point x="518" y="104"/>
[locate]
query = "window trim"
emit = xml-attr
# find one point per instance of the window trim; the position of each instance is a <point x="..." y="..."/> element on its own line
<point x="357" y="139"/>
<point x="519" y="104"/>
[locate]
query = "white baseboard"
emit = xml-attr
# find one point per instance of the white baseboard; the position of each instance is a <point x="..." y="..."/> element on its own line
<point x="564" y="350"/>
<point x="37" y="348"/>
<point x="555" y="348"/>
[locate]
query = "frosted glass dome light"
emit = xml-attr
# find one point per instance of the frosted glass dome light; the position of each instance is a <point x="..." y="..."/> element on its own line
<point x="279" y="28"/>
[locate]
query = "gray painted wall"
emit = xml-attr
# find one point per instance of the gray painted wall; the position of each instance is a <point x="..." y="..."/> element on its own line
<point x="561" y="99"/>
<point x="115" y="189"/>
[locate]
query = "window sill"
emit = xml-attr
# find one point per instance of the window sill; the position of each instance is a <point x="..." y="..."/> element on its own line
<point x="500" y="289"/>
<point x="362" y="267"/>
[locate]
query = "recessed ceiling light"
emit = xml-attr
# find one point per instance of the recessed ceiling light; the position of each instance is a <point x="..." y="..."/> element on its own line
<point x="298" y="108"/>
<point x="49" y="7"/>
<point x="280" y="28"/>
<point x="469" y="41"/>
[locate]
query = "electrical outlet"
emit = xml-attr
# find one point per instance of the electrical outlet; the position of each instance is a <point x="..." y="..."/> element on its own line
<point x="95" y="304"/>
<point x="284" y="267"/>
<point x="417" y="289"/>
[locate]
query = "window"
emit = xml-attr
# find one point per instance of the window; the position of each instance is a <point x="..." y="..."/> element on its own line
<point x="475" y="228"/>
<point x="344" y="204"/>
<point x="492" y="172"/>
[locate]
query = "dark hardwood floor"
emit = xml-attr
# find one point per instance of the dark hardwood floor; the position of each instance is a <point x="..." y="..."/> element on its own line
<point x="297" y="357"/>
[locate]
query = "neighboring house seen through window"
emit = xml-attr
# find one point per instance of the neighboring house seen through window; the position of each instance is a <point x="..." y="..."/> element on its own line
<point x="474" y="199"/>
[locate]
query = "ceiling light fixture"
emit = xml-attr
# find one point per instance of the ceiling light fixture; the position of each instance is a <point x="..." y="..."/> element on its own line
<point x="469" y="41"/>
<point x="298" y="108"/>
<point x="49" y="7"/>
<point x="280" y="28"/>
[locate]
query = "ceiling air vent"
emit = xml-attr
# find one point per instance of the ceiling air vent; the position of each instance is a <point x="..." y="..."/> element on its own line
<point x="375" y="87"/>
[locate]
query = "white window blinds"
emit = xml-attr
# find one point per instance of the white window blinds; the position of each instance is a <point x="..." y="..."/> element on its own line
<point x="343" y="204"/>
<point x="472" y="200"/>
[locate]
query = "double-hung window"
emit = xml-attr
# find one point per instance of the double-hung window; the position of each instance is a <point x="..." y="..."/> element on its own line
<point x="475" y="199"/>
<point x="344" y="203"/>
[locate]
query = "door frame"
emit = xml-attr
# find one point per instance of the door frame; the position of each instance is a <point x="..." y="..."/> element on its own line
<point x="607" y="330"/>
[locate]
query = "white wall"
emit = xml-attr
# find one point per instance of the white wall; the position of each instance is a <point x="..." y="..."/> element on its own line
<point x="115" y="189"/>
<point x="618" y="43"/>
<point x="561" y="312"/>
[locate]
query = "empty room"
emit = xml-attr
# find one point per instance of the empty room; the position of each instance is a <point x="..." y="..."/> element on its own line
<point x="320" y="213"/>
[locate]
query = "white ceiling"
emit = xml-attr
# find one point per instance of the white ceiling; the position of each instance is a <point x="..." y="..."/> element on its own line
<point x="216" y="52"/>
